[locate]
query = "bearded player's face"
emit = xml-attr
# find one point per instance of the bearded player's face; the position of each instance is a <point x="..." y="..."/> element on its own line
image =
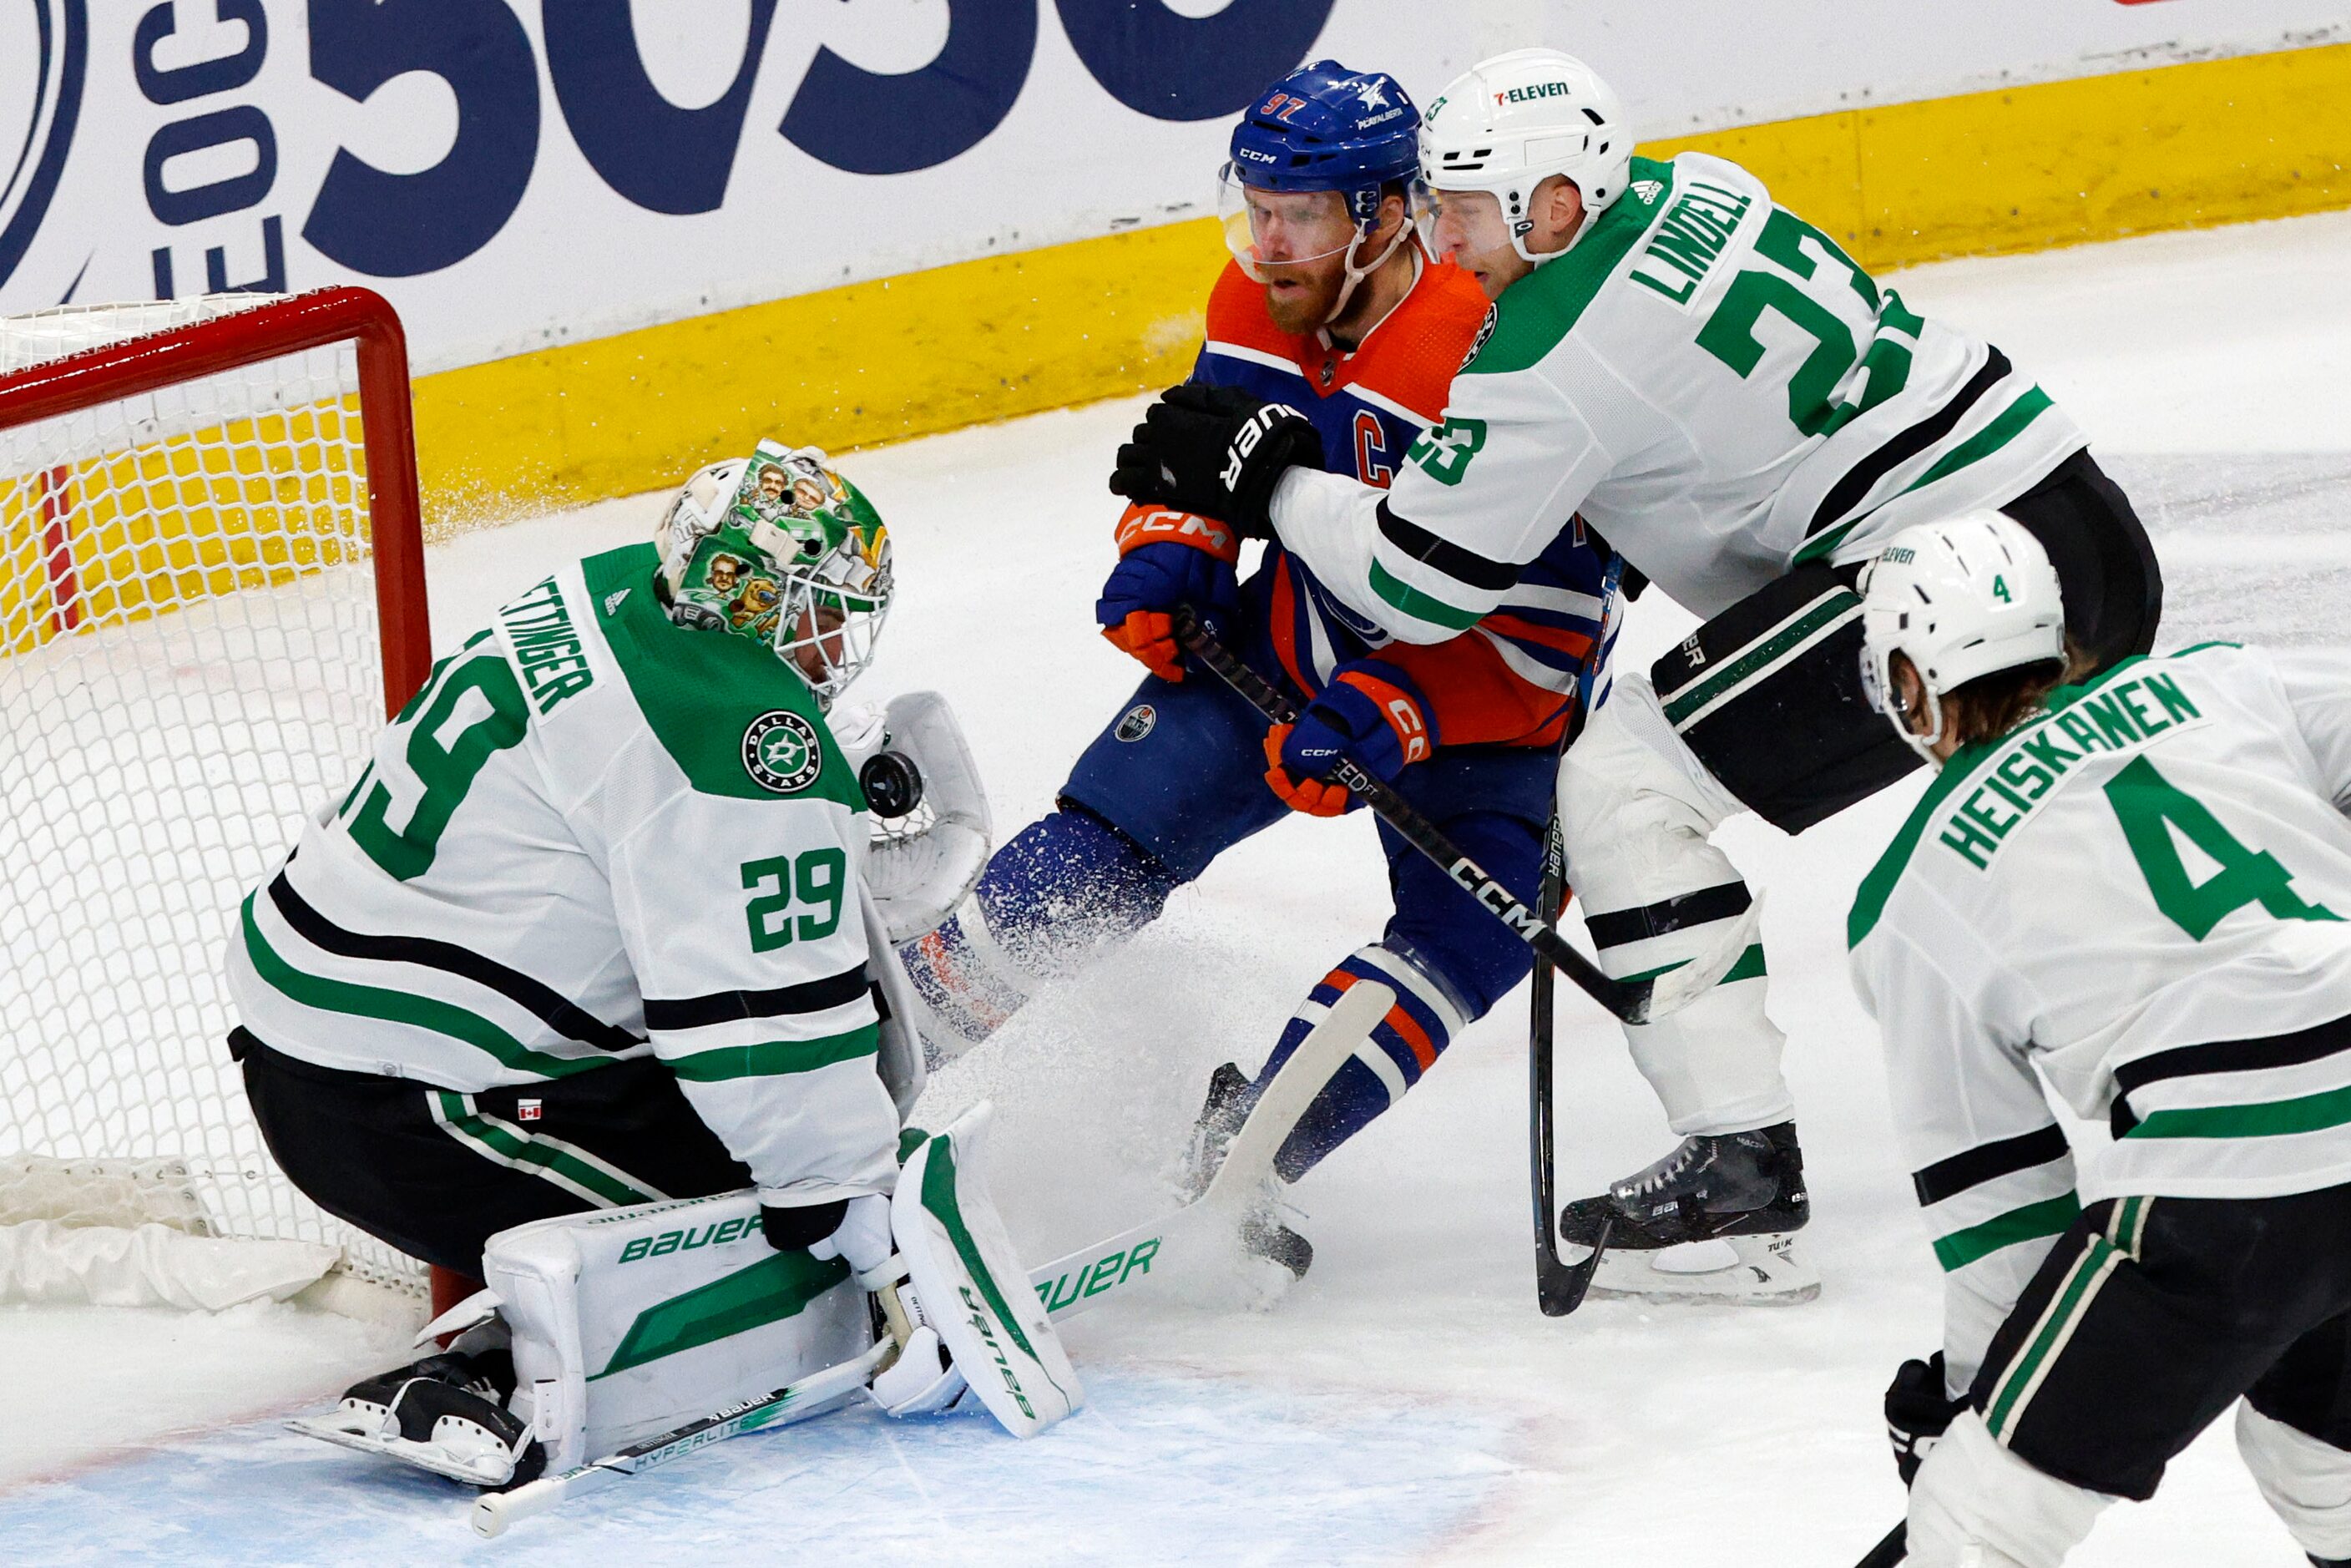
<point x="1300" y="241"/>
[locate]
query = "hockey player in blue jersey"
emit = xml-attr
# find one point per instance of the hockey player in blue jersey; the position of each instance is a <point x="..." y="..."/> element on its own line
<point x="1331" y="306"/>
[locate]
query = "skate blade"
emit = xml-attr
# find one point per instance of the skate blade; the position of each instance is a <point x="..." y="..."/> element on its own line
<point x="347" y="1428"/>
<point x="1767" y="1271"/>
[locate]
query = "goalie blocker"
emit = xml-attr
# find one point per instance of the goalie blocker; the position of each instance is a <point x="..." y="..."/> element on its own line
<point x="603" y="1331"/>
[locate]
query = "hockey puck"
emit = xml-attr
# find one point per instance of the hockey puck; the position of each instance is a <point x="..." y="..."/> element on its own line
<point x="892" y="784"/>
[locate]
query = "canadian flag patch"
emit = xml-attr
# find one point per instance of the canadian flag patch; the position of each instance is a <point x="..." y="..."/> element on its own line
<point x="527" y="1110"/>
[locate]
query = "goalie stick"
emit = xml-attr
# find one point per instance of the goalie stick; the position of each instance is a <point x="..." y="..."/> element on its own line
<point x="1893" y="1549"/>
<point x="1090" y="1275"/>
<point x="811" y="1396"/>
<point x="1633" y="1001"/>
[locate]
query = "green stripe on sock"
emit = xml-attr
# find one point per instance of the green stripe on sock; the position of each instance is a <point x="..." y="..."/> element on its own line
<point x="1749" y="965"/>
<point x="2050" y="1217"/>
<point x="776" y="1057"/>
<point x="401" y="1008"/>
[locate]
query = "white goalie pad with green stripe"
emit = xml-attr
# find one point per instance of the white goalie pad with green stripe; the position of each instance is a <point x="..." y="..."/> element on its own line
<point x="971" y="1284"/>
<point x="631" y="1322"/>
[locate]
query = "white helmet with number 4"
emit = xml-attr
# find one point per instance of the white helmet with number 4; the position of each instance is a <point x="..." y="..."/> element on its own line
<point x="1961" y="599"/>
<point x="1507" y="124"/>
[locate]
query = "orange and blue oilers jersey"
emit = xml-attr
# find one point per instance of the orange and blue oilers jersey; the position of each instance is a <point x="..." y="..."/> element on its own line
<point x="1513" y="678"/>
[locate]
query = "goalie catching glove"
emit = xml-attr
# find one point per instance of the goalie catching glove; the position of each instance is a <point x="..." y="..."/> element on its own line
<point x="1216" y="451"/>
<point x="1372" y="713"/>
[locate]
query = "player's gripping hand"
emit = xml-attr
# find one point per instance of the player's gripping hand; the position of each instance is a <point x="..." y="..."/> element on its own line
<point x="1149" y="582"/>
<point x="1217" y="451"/>
<point x="1370" y="712"/>
<point x="1918" y="1412"/>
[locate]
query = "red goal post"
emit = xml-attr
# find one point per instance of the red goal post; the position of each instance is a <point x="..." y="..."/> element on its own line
<point x="191" y="492"/>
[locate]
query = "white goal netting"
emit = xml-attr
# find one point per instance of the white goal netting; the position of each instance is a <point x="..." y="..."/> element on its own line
<point x="189" y="662"/>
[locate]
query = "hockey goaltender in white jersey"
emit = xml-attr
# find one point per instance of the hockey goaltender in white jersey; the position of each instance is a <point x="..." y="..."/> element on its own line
<point x="2134" y="891"/>
<point x="585" y="987"/>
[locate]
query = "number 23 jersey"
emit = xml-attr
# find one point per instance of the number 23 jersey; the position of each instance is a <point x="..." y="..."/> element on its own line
<point x="1715" y="386"/>
<point x="595" y="835"/>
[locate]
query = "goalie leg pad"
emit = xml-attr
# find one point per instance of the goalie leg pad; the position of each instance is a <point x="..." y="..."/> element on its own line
<point x="631" y="1322"/>
<point x="1637" y="811"/>
<point x="970" y="1287"/>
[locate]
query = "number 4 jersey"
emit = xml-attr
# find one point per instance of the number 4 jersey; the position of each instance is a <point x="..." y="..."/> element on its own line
<point x="2145" y="893"/>
<point x="594" y="835"/>
<point x="1720" y="391"/>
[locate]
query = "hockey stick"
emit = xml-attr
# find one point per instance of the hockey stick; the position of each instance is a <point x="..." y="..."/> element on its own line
<point x="1560" y="1286"/>
<point x="811" y="1396"/>
<point x="1084" y="1280"/>
<point x="1634" y="1001"/>
<point x="1092" y="1275"/>
<point x="1890" y="1551"/>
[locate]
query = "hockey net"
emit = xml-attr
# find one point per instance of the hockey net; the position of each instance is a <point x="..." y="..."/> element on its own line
<point x="211" y="579"/>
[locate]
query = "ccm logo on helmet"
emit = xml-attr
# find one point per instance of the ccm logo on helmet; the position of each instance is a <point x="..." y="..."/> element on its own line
<point x="1530" y="94"/>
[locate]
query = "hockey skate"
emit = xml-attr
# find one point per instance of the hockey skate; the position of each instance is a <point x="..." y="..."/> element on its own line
<point x="1715" y="1219"/>
<point x="1263" y="1232"/>
<point x="444" y="1414"/>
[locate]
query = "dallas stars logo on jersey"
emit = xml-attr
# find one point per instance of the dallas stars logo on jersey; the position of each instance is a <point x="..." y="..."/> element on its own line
<point x="780" y="750"/>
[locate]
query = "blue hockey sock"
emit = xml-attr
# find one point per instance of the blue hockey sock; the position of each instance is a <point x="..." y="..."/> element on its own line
<point x="1060" y="891"/>
<point x="1404" y="1044"/>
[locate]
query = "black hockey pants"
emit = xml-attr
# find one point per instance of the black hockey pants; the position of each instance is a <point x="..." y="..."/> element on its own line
<point x="2152" y="1315"/>
<point x="1795" y="738"/>
<point x="436" y="1173"/>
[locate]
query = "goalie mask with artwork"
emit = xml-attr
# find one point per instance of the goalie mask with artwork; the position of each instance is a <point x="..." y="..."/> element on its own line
<point x="780" y="547"/>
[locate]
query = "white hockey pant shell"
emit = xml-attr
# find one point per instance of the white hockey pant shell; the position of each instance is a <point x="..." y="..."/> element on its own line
<point x="1638" y="812"/>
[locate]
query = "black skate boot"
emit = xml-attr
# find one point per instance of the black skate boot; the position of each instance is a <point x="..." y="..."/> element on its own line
<point x="1746" y="1190"/>
<point x="445" y="1414"/>
<point x="1262" y="1233"/>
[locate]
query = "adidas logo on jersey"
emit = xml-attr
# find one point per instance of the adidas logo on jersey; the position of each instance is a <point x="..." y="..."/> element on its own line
<point x="613" y="599"/>
<point x="1648" y="190"/>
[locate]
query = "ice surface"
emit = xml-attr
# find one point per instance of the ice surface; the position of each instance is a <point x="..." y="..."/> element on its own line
<point x="1406" y="1402"/>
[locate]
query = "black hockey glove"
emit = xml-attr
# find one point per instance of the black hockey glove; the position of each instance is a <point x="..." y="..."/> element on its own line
<point x="1217" y="451"/>
<point x="797" y="1229"/>
<point x="1918" y="1412"/>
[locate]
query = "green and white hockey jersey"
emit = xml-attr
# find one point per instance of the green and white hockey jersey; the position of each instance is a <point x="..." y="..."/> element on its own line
<point x="1715" y="385"/>
<point x="2146" y="895"/>
<point x="593" y="835"/>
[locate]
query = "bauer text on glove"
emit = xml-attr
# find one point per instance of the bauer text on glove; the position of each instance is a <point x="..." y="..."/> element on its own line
<point x="1216" y="451"/>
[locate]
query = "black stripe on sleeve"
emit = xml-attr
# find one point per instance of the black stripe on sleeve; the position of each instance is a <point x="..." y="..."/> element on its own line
<point x="729" y="1007"/>
<point x="1989" y="1162"/>
<point x="1462" y="565"/>
<point x="2236" y="1055"/>
<point x="534" y="996"/>
<point x="1848" y="493"/>
<point x="1618" y="926"/>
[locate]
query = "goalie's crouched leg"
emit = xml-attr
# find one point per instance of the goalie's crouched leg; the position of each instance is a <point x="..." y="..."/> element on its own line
<point x="437" y="1171"/>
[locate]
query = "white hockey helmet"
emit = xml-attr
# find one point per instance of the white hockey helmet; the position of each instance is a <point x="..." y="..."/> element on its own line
<point x="1964" y="597"/>
<point x="1507" y="124"/>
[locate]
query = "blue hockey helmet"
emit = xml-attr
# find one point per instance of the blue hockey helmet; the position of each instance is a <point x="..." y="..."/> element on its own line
<point x="1325" y="127"/>
<point x="1322" y="128"/>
